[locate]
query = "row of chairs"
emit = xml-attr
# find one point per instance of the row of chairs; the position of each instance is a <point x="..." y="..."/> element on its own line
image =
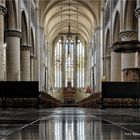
<point x="121" y="103"/>
<point x="47" y="101"/>
<point x="91" y="101"/>
<point x="19" y="102"/>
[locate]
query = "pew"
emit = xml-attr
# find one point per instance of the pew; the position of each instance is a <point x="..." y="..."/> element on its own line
<point x="47" y="101"/>
<point x="93" y="101"/>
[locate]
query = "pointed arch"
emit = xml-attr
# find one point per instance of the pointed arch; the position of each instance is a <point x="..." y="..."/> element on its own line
<point x="12" y="15"/>
<point x="24" y="29"/>
<point x="107" y="46"/>
<point x="130" y="20"/>
<point x="116" y="28"/>
<point x="32" y="41"/>
<point x="108" y="54"/>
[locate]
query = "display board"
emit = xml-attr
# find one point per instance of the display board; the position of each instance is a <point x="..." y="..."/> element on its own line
<point x="120" y="89"/>
<point x="14" y="89"/>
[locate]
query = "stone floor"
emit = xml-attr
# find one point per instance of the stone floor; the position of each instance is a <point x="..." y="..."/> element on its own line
<point x="69" y="124"/>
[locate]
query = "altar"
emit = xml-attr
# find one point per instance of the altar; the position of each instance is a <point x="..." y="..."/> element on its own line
<point x="69" y="94"/>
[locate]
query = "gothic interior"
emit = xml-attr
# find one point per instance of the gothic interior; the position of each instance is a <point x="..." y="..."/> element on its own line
<point x="70" y="53"/>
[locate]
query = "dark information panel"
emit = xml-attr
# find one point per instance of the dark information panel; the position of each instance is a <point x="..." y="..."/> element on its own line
<point x="14" y="89"/>
<point x="120" y="89"/>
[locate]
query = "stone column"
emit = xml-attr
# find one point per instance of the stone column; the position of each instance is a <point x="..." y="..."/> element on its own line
<point x="25" y="62"/>
<point x="85" y="76"/>
<point x="63" y="62"/>
<point x="42" y="53"/>
<point x="98" y="58"/>
<point x="108" y="67"/>
<point x="13" y="55"/>
<point x="2" y="12"/>
<point x="128" y="59"/>
<point x="75" y="62"/>
<point x="32" y="67"/>
<point x="138" y="16"/>
<point x="87" y="69"/>
<point x="106" y="63"/>
<point x="115" y="66"/>
<point x="37" y="48"/>
<point x="35" y="68"/>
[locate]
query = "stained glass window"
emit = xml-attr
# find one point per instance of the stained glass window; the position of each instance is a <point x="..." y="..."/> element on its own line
<point x="58" y="64"/>
<point x="69" y="62"/>
<point x="80" y="65"/>
<point x="68" y="48"/>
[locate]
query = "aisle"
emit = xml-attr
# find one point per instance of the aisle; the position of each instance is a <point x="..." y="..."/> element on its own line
<point x="69" y="124"/>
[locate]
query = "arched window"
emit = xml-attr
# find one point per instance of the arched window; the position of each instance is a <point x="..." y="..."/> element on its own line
<point x="69" y="63"/>
<point x="58" y="64"/>
<point x="80" y="65"/>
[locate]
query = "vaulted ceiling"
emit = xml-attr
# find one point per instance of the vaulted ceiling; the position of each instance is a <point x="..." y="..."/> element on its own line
<point x="82" y="15"/>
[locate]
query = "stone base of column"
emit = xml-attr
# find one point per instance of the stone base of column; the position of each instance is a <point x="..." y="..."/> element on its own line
<point x="35" y="69"/>
<point x="115" y="66"/>
<point x="32" y="67"/>
<point x="25" y="62"/>
<point x="131" y="74"/>
<point x="139" y="59"/>
<point x="107" y="66"/>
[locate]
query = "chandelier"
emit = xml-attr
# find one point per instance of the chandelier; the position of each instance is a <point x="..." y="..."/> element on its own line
<point x="69" y="35"/>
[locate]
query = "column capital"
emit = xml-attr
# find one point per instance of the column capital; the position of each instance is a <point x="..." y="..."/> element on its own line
<point x="128" y="35"/>
<point x="13" y="33"/>
<point x="32" y="56"/>
<point x="105" y="57"/>
<point x="3" y="10"/>
<point x="137" y="12"/>
<point x="129" y="42"/>
<point x="98" y="28"/>
<point x="25" y="47"/>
